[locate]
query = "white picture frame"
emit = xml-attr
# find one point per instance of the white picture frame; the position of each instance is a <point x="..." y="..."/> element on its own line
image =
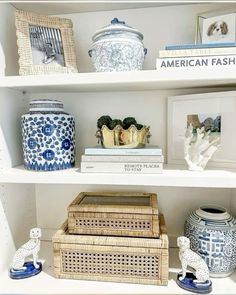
<point x="179" y="107"/>
<point x="219" y="29"/>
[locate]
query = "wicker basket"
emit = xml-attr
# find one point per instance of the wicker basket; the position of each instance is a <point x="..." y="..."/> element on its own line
<point x="116" y="214"/>
<point x="117" y="259"/>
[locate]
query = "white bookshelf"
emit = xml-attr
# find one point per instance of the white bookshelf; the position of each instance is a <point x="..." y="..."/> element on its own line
<point x="123" y="81"/>
<point x="172" y="176"/>
<point x="29" y="199"/>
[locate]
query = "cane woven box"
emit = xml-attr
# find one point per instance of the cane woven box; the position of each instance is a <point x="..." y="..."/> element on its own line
<point x="115" y="214"/>
<point x="106" y="258"/>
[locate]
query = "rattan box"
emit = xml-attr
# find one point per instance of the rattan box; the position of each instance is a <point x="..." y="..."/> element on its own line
<point x="115" y="214"/>
<point x="117" y="259"/>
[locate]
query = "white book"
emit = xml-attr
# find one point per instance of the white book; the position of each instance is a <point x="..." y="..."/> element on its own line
<point x="148" y="150"/>
<point x="216" y="61"/>
<point x="197" y="52"/>
<point x="124" y="158"/>
<point x="121" y="167"/>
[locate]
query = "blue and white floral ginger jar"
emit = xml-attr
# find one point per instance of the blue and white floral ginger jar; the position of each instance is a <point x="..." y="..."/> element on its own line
<point x="212" y="233"/>
<point x="48" y="136"/>
<point x="117" y="47"/>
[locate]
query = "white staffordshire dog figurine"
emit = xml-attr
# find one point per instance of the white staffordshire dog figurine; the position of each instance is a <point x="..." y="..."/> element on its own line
<point x="192" y="259"/>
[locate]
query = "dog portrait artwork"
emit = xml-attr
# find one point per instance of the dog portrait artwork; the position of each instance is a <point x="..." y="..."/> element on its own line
<point x="219" y="29"/>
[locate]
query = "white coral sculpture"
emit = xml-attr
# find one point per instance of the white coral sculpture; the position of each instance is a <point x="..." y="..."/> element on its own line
<point x="199" y="148"/>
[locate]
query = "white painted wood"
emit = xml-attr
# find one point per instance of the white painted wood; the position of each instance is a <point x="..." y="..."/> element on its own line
<point x="177" y="177"/>
<point x="86" y="6"/>
<point x="141" y="94"/>
<point x="122" y="81"/>
<point x="12" y="106"/>
<point x="17" y="216"/>
<point x="45" y="283"/>
<point x="8" y="48"/>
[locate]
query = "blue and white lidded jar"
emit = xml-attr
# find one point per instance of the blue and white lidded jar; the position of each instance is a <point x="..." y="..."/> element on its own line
<point x="48" y="136"/>
<point x="117" y="47"/>
<point x="212" y="233"/>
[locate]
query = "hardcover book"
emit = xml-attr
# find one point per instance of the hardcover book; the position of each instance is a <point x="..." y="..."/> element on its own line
<point x="149" y="150"/>
<point x="121" y="167"/>
<point x="197" y="52"/>
<point x="121" y="158"/>
<point x="199" y="45"/>
<point x="224" y="61"/>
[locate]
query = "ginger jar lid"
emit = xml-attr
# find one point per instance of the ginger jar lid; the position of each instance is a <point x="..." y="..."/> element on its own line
<point x="116" y="27"/>
<point x="46" y="105"/>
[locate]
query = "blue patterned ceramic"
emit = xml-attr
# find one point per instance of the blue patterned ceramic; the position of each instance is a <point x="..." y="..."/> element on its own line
<point x="189" y="283"/>
<point x="48" y="136"/>
<point x="212" y="234"/>
<point x="117" y="47"/>
<point x="30" y="271"/>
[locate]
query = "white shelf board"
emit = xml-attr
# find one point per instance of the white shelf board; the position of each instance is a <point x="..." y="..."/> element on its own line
<point x="45" y="283"/>
<point x="175" y="177"/>
<point x="122" y="81"/>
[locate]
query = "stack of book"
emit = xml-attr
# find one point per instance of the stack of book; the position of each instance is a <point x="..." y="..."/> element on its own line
<point x="189" y="56"/>
<point x="143" y="160"/>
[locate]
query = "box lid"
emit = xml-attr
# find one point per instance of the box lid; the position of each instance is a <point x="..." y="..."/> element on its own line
<point x="119" y="202"/>
<point x="62" y="236"/>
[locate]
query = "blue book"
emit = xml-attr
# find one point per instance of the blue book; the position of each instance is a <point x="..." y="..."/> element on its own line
<point x="196" y="46"/>
<point x="149" y="150"/>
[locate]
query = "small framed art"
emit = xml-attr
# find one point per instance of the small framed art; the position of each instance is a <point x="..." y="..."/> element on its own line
<point x="45" y="44"/>
<point x="216" y="27"/>
<point x="213" y="111"/>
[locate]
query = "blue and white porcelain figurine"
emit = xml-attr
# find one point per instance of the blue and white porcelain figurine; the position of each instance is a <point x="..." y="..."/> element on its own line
<point x="48" y="136"/>
<point x="212" y="233"/>
<point x="197" y="281"/>
<point x="20" y="268"/>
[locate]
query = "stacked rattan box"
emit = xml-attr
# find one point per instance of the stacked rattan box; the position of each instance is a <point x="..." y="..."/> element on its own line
<point x="116" y="237"/>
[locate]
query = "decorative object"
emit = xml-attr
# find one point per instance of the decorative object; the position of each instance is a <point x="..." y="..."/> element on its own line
<point x="215" y="112"/>
<point x="114" y="214"/>
<point x="106" y="258"/>
<point x="121" y="134"/>
<point x="198" y="282"/>
<point x="46" y="44"/>
<point x="48" y="136"/>
<point x="21" y="269"/>
<point x="212" y="233"/>
<point x="117" y="47"/>
<point x="216" y="27"/>
<point x="198" y="147"/>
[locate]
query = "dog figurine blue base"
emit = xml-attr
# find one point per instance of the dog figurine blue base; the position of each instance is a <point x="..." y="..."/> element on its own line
<point x="188" y="284"/>
<point x="30" y="271"/>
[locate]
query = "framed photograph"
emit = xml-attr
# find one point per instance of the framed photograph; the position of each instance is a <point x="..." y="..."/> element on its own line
<point x="216" y="27"/>
<point x="213" y="111"/>
<point x="46" y="44"/>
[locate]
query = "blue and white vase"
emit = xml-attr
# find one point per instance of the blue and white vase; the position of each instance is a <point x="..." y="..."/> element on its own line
<point x="48" y="136"/>
<point x="212" y="233"/>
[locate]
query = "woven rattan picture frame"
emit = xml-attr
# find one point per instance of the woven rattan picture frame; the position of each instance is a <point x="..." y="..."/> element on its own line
<point x="45" y="44"/>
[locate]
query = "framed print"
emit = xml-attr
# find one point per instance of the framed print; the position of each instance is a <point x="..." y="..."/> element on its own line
<point x="216" y="27"/>
<point x="213" y="111"/>
<point x="45" y="44"/>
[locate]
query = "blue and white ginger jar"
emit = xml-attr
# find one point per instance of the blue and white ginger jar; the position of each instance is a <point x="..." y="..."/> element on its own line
<point x="212" y="233"/>
<point x="48" y="136"/>
<point x="117" y="47"/>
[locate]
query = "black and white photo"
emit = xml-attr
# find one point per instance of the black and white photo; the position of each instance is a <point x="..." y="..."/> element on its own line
<point x="46" y="45"/>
